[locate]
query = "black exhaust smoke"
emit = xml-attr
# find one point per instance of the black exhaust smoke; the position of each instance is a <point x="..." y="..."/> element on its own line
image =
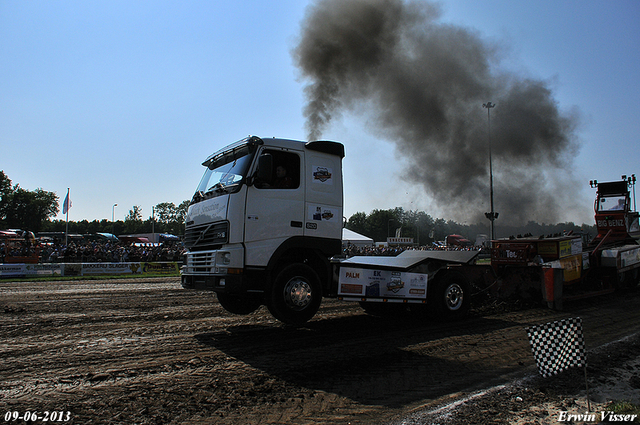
<point x="423" y="83"/>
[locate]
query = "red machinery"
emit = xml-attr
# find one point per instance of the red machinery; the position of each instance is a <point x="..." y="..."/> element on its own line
<point x="565" y="266"/>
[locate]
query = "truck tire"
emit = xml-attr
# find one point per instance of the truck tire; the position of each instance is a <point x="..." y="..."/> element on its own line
<point x="295" y="295"/>
<point x="237" y="304"/>
<point x="450" y="298"/>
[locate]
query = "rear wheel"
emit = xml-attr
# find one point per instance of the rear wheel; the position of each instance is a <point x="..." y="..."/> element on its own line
<point x="450" y="298"/>
<point x="237" y="304"/>
<point x="295" y="295"/>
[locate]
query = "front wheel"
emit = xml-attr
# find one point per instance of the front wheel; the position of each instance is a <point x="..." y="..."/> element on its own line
<point x="450" y="299"/>
<point x="295" y="295"/>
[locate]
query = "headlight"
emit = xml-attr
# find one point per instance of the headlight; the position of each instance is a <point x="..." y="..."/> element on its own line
<point x="224" y="258"/>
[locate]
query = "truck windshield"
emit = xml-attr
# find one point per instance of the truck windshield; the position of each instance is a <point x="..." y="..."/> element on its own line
<point x="225" y="174"/>
<point x="611" y="203"/>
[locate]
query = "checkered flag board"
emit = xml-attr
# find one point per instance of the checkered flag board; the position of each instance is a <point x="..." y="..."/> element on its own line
<point x="557" y="346"/>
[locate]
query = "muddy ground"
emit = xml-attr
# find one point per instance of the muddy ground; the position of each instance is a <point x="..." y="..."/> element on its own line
<point x="147" y="351"/>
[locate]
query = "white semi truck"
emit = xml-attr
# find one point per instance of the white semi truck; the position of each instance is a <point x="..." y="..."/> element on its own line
<point x="265" y="227"/>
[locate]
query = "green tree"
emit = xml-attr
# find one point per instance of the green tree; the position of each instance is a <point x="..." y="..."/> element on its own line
<point x="135" y="214"/>
<point x="419" y="225"/>
<point x="181" y="213"/>
<point x="24" y="209"/>
<point x="358" y="223"/>
<point x="133" y="221"/>
<point x="440" y="229"/>
<point x="384" y="223"/>
<point x="5" y="193"/>
<point x="170" y="218"/>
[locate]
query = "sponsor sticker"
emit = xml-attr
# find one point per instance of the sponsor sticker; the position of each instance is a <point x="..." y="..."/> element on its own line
<point x="322" y="175"/>
<point x="382" y="283"/>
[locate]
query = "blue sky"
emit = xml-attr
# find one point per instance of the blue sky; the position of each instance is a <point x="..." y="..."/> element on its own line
<point x="122" y="101"/>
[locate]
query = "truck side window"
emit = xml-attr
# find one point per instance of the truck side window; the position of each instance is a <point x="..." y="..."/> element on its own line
<point x="286" y="171"/>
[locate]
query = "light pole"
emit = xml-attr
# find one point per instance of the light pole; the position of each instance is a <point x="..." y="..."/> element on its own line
<point x="631" y="182"/>
<point x="492" y="216"/>
<point x="113" y="213"/>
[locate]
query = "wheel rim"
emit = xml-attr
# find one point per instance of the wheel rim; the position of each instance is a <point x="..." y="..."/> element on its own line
<point x="297" y="293"/>
<point x="454" y="296"/>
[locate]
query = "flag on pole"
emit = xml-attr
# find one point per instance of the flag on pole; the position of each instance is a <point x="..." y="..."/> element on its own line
<point x="557" y="346"/>
<point x="66" y="204"/>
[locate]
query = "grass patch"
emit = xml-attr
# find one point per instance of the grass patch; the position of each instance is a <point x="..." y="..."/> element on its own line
<point x="625" y="408"/>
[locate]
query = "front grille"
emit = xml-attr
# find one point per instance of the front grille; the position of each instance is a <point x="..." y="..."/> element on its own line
<point x="206" y="236"/>
<point x="201" y="262"/>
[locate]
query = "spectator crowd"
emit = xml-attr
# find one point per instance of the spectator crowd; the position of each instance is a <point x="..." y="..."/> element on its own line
<point x="122" y="252"/>
<point x="111" y="252"/>
<point x="95" y="252"/>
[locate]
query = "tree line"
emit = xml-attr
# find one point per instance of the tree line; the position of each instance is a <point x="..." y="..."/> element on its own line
<point x="424" y="229"/>
<point x="167" y="218"/>
<point x="34" y="210"/>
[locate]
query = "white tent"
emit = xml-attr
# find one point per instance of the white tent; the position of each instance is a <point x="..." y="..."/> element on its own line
<point x="353" y="238"/>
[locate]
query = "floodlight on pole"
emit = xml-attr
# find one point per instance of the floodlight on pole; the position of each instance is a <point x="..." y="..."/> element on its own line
<point x="492" y="216"/>
<point x="631" y="182"/>
<point x="113" y="213"/>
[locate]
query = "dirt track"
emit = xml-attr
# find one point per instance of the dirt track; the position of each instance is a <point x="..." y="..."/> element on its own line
<point x="148" y="351"/>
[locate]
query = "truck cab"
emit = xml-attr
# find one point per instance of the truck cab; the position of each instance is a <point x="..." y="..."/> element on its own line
<point x="616" y="222"/>
<point x="263" y="223"/>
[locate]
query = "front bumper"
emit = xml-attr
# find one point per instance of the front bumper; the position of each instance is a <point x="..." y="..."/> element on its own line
<point x="219" y="283"/>
<point x="219" y="270"/>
